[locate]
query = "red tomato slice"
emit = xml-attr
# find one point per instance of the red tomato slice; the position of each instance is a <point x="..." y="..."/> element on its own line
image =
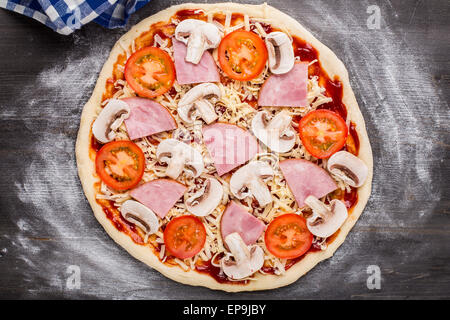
<point x="184" y="236"/>
<point x="150" y="72"/>
<point x="120" y="164"/>
<point x="287" y="236"/>
<point x="242" y="55"/>
<point x="323" y="132"/>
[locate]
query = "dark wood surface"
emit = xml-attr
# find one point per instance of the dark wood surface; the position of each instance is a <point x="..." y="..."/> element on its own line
<point x="400" y="74"/>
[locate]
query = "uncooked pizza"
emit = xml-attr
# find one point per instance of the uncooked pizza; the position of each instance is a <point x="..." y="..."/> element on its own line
<point x="223" y="146"/>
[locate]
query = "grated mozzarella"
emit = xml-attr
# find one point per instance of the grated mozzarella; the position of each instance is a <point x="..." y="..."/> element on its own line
<point x="231" y="108"/>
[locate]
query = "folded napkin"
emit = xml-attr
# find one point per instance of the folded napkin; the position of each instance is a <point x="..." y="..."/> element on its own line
<point x="65" y="16"/>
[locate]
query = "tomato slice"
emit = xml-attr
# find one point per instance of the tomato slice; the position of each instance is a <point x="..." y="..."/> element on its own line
<point x="287" y="236"/>
<point x="323" y="132"/>
<point x="120" y="164"/>
<point x="184" y="236"/>
<point x="242" y="55"/>
<point x="150" y="72"/>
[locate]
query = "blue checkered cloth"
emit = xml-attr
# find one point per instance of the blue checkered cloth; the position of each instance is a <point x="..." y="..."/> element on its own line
<point x="66" y="16"/>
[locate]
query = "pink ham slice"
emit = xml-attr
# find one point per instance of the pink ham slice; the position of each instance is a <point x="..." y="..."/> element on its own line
<point x="147" y="117"/>
<point x="305" y="178"/>
<point x="229" y="146"/>
<point x="237" y="219"/>
<point x="159" y="195"/>
<point x="286" y="90"/>
<point x="187" y="73"/>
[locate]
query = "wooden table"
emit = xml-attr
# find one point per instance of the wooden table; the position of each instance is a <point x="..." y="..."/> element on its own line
<point x="400" y="75"/>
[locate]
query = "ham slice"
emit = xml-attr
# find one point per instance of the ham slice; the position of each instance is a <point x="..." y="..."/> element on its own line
<point x="305" y="178"/>
<point x="159" y="195"/>
<point x="187" y="73"/>
<point x="147" y="117"/>
<point x="286" y="90"/>
<point x="237" y="219"/>
<point x="229" y="146"/>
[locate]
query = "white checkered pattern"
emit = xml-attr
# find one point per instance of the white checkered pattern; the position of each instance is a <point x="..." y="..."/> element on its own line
<point x="65" y="16"/>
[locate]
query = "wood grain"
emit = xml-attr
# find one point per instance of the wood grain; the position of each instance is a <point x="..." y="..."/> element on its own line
<point x="400" y="75"/>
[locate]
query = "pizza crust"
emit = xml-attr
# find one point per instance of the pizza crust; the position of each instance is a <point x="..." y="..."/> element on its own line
<point x="86" y="168"/>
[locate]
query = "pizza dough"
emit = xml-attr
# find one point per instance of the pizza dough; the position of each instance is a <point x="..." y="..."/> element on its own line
<point x="86" y="168"/>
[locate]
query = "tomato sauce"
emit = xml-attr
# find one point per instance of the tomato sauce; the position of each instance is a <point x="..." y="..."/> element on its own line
<point x="333" y="87"/>
<point x="354" y="135"/>
<point x="163" y="30"/>
<point x="266" y="27"/>
<point x="224" y="79"/>
<point x="351" y="198"/>
<point x="215" y="272"/>
<point x="190" y="14"/>
<point x="120" y="223"/>
<point x="305" y="52"/>
<point x="251" y="101"/>
<point x="95" y="145"/>
<point x="172" y="92"/>
<point x="352" y="144"/>
<point x="290" y="262"/>
<point x="334" y="90"/>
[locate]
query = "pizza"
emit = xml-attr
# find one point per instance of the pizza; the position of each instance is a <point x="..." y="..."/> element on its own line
<point x="223" y="146"/>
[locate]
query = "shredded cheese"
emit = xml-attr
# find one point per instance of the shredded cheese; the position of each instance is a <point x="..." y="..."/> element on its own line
<point x="227" y="20"/>
<point x="247" y="22"/>
<point x="260" y="29"/>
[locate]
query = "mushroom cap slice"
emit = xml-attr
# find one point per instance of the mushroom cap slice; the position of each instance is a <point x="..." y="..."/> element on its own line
<point x="325" y="220"/>
<point x="249" y="181"/>
<point x="138" y="214"/>
<point x="348" y="167"/>
<point x="280" y="51"/>
<point x="199" y="36"/>
<point x="276" y="133"/>
<point x="179" y="156"/>
<point x="110" y="118"/>
<point x="204" y="201"/>
<point x="196" y="103"/>
<point x="247" y="260"/>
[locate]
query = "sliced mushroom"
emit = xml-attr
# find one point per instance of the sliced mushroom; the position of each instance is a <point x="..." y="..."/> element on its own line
<point x="348" y="167"/>
<point x="196" y="103"/>
<point x="249" y="181"/>
<point x="109" y="120"/>
<point x="179" y="156"/>
<point x="204" y="201"/>
<point x="281" y="52"/>
<point x="246" y="260"/>
<point x="276" y="133"/>
<point x="199" y="36"/>
<point x="138" y="214"/>
<point x="325" y="220"/>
